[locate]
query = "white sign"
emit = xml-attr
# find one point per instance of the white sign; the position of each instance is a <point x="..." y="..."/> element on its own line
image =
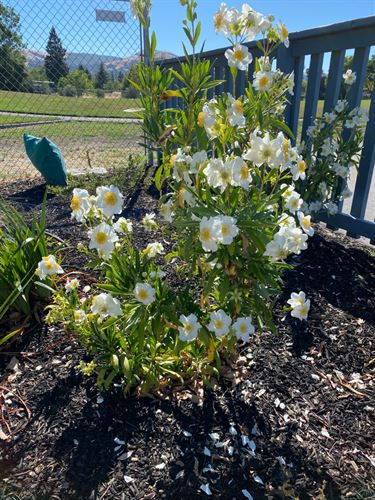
<point x="111" y="16"/>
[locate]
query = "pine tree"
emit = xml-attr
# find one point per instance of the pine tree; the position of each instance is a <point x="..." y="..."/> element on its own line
<point x="54" y="61"/>
<point x="81" y="67"/>
<point x="101" y="77"/>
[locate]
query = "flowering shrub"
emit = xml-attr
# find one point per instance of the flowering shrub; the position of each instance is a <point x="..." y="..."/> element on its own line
<point x="231" y="213"/>
<point x="331" y="151"/>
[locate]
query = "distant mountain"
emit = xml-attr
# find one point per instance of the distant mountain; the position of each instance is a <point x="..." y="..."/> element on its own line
<point x="35" y="59"/>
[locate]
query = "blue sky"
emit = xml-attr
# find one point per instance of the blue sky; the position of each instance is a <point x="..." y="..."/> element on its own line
<point x="76" y="25"/>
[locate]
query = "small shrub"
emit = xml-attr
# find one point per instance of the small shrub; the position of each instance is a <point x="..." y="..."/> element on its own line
<point x="130" y="93"/>
<point x="100" y="93"/>
<point x="68" y="91"/>
<point x="232" y="216"/>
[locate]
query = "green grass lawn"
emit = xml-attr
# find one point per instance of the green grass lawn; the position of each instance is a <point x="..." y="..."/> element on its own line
<point x="22" y="102"/>
<point x="5" y="119"/>
<point x="76" y="130"/>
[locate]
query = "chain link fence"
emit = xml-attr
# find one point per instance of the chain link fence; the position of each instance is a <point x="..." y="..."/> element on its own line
<point x="63" y="69"/>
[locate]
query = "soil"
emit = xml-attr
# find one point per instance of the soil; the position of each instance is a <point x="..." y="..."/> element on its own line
<point x="302" y="425"/>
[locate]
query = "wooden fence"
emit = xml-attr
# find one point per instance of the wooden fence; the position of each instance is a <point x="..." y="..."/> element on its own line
<point x="334" y="40"/>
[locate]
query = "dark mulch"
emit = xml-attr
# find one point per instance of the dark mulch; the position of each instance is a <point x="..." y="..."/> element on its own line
<point x="313" y="429"/>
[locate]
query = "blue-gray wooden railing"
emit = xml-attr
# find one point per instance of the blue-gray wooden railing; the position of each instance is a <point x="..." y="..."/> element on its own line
<point x="358" y="35"/>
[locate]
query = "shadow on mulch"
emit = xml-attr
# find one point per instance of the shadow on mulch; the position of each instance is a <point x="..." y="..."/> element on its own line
<point x="153" y="431"/>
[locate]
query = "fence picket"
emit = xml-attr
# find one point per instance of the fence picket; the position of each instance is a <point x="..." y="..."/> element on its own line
<point x="312" y="92"/>
<point x="334" y="79"/>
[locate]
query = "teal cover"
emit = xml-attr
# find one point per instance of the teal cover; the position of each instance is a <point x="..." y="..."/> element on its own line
<point x="47" y="158"/>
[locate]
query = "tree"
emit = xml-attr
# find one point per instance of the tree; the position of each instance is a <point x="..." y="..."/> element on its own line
<point x="54" y="62"/>
<point x="82" y="68"/>
<point x="120" y="76"/>
<point x="370" y="74"/>
<point x="101" y="77"/>
<point x="13" y="71"/>
<point x="77" y="79"/>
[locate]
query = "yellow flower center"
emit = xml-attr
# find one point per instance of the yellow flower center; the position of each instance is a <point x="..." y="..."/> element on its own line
<point x="200" y="120"/>
<point x="101" y="237"/>
<point x="77" y="315"/>
<point x="294" y="203"/>
<point x="301" y="166"/>
<point x="205" y="234"/>
<point x="218" y="21"/>
<point x="243" y="328"/>
<point x="306" y="222"/>
<point x="225" y="176"/>
<point x="75" y="204"/>
<point x="218" y="324"/>
<point x="188" y="328"/>
<point x="238" y="107"/>
<point x="244" y="172"/>
<point x="263" y="82"/>
<point x="286" y="148"/>
<point x="49" y="265"/>
<point x="239" y="55"/>
<point x="225" y="231"/>
<point x="110" y="198"/>
<point x="284" y="32"/>
<point x="143" y="294"/>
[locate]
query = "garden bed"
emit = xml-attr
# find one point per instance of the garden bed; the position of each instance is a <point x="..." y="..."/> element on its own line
<point x="309" y="426"/>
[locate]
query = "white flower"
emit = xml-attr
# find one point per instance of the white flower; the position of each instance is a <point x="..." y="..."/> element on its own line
<point x="263" y="80"/>
<point x="328" y="148"/>
<point x="207" y="234"/>
<point x="235" y="112"/>
<point x="291" y="83"/>
<point x="243" y="328"/>
<point x="299" y="170"/>
<point x="346" y="193"/>
<point x="277" y="248"/>
<point x="225" y="229"/>
<point x="208" y="117"/>
<point x="350" y="123"/>
<point x="109" y="200"/>
<point x="265" y="150"/>
<point x="340" y="106"/>
<point x="241" y="175"/>
<point x="79" y="316"/>
<point x="252" y="23"/>
<point x="218" y="173"/>
<point x="329" y="117"/>
<point x="197" y="161"/>
<point x="296" y="240"/>
<point x="239" y="57"/>
<point x="356" y="381"/>
<point x="340" y="170"/>
<point x="71" y="285"/>
<point x="300" y="306"/>
<point x="149" y="221"/>
<point x="106" y="305"/>
<point x="48" y="267"/>
<point x="103" y="237"/>
<point x="293" y="203"/>
<point x="283" y="34"/>
<point x="222" y="20"/>
<point x="190" y="327"/>
<point x="123" y="226"/>
<point x="154" y="249"/>
<point x="219" y="323"/>
<point x="144" y="293"/>
<point x="349" y="77"/>
<point x="79" y="204"/>
<point x="305" y="223"/>
<point x="315" y="206"/>
<point x="166" y="212"/>
<point x="331" y="208"/>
